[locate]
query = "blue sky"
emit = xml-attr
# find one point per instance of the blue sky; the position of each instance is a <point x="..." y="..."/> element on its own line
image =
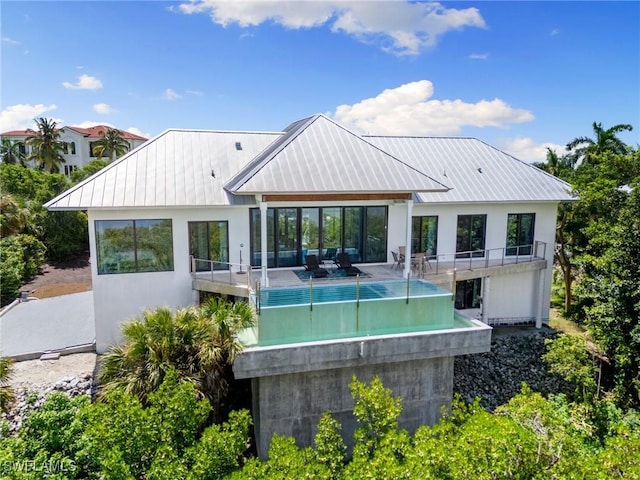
<point x="518" y="75"/>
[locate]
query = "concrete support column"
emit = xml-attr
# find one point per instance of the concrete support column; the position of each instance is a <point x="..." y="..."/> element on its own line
<point x="486" y="292"/>
<point x="407" y="259"/>
<point x="540" y="298"/>
<point x="264" y="278"/>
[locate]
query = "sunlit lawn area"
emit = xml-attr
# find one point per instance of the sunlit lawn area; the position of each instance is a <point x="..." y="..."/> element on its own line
<point x="558" y="322"/>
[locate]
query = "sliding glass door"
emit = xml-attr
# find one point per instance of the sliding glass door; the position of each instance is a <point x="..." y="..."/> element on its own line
<point x="209" y="244"/>
<point x="324" y="231"/>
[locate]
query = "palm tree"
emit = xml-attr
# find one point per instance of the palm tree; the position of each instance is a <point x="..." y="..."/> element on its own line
<point x="199" y="342"/>
<point x="555" y="165"/>
<point x="605" y="141"/>
<point x="11" y="152"/>
<point x="6" y="392"/>
<point x="111" y="144"/>
<point x="46" y="147"/>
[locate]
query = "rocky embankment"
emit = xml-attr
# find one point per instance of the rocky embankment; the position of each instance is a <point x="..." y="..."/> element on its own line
<point x="27" y="399"/>
<point x="515" y="357"/>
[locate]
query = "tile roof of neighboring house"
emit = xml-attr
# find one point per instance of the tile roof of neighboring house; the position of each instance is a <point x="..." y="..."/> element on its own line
<point x="91" y="132"/>
<point x="475" y="171"/>
<point x="98" y="130"/>
<point x="186" y="168"/>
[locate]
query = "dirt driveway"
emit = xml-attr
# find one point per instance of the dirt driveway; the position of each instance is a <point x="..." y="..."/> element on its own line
<point x="61" y="278"/>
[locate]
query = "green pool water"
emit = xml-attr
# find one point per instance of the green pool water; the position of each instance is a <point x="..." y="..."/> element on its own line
<point x="303" y="314"/>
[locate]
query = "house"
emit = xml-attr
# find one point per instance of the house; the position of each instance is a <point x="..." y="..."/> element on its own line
<point x="78" y="143"/>
<point x="224" y="201"/>
<point x="319" y="188"/>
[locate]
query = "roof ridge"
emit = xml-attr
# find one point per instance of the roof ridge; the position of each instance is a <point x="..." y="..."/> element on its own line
<point x="291" y="132"/>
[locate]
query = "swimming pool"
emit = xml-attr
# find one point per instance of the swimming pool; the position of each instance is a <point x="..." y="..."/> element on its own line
<point x="345" y="292"/>
<point x="311" y="313"/>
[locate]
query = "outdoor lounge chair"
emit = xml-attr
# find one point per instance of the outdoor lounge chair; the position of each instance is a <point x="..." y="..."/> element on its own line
<point x="314" y="267"/>
<point x="344" y="262"/>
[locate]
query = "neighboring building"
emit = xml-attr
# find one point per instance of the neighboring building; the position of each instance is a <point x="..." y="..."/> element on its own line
<point x="192" y="200"/>
<point x="78" y="142"/>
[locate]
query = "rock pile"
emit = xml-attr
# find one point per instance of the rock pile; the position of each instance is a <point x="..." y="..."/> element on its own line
<point x="28" y="399"/>
<point x="515" y="357"/>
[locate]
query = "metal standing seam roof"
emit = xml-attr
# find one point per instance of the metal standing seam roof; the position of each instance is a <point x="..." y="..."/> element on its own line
<point x="475" y="171"/>
<point x="178" y="168"/>
<point x="317" y="155"/>
<point x="193" y="168"/>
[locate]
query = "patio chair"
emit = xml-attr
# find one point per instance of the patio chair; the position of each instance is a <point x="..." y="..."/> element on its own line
<point x="314" y="267"/>
<point x="344" y="262"/>
<point x="397" y="262"/>
<point x="401" y="253"/>
<point x="417" y="263"/>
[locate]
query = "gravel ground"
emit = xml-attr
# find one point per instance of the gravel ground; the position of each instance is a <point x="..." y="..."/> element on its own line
<point x="41" y="374"/>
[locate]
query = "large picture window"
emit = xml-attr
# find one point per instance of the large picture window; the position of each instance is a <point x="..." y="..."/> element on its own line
<point x="323" y="231"/>
<point x="424" y="235"/>
<point x="131" y="246"/>
<point x="520" y="230"/>
<point x="209" y="241"/>
<point x="471" y="235"/>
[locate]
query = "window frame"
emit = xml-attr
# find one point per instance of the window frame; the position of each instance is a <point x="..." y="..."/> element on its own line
<point x="137" y="240"/>
<point x="468" y="290"/>
<point x="466" y="244"/>
<point x="223" y="262"/>
<point x="520" y="248"/>
<point x="420" y="242"/>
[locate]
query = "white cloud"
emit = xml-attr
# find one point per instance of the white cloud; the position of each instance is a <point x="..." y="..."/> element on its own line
<point x="555" y="32"/>
<point x="137" y="131"/>
<point x="21" y="116"/>
<point x="479" y="56"/>
<point x="10" y="41"/>
<point x="91" y="123"/>
<point x="527" y="150"/>
<point x="197" y="93"/>
<point x="169" y="94"/>
<point x="408" y="110"/>
<point x="102" y="108"/>
<point x="85" y="82"/>
<point x="401" y="28"/>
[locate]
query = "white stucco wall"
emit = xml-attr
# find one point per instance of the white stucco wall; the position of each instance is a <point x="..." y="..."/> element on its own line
<point x="118" y="297"/>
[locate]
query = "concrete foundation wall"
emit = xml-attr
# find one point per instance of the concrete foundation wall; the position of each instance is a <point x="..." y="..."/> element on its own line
<point x="292" y="404"/>
<point x="294" y="384"/>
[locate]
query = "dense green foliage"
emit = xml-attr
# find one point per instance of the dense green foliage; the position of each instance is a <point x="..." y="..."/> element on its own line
<point x="200" y="342"/>
<point x="168" y="437"/>
<point x="20" y="258"/>
<point x="598" y="251"/>
<point x="29" y="231"/>
<point x="120" y="438"/>
<point x="528" y="438"/>
<point x="89" y="169"/>
<point x="6" y="392"/>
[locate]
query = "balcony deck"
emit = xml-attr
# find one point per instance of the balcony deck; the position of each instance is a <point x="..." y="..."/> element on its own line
<point x="439" y="271"/>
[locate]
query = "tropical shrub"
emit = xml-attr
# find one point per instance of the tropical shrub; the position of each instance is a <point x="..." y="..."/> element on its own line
<point x="199" y="342"/>
<point x="120" y="438"/>
<point x="20" y="259"/>
<point x="6" y="392"/>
